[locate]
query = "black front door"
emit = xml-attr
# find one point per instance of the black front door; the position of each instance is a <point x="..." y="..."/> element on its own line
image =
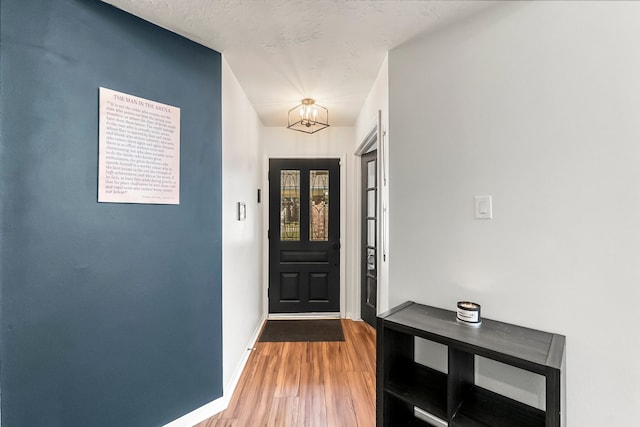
<point x="304" y="235"/>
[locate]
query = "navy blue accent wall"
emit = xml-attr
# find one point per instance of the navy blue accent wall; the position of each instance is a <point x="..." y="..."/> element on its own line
<point x="110" y="313"/>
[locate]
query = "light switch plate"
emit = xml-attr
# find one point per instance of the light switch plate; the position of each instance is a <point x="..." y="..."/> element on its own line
<point x="483" y="208"/>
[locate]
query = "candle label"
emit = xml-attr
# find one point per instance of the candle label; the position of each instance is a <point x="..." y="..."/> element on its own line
<point x="468" y="316"/>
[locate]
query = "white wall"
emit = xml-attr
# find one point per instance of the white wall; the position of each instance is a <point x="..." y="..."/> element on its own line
<point x="242" y="290"/>
<point x="538" y="105"/>
<point x="378" y="100"/>
<point x="333" y="142"/>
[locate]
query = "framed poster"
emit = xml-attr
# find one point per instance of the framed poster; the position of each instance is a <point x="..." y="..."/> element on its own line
<point x="139" y="150"/>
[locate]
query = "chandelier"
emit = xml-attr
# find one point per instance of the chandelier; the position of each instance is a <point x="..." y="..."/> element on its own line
<point x="308" y="117"/>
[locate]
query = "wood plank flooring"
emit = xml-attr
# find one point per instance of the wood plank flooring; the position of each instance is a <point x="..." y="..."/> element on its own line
<point x="307" y="384"/>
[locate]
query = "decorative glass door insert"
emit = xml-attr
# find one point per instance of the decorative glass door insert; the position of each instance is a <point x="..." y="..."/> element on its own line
<point x="290" y="205"/>
<point x="319" y="205"/>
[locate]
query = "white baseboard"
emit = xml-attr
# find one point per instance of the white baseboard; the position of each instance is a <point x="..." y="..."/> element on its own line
<point x="201" y="414"/>
<point x="210" y="409"/>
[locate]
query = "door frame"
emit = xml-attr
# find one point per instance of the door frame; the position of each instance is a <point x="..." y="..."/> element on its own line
<point x="265" y="241"/>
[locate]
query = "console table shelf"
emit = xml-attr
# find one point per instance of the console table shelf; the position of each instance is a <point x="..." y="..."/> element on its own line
<point x="454" y="399"/>
<point x="420" y="386"/>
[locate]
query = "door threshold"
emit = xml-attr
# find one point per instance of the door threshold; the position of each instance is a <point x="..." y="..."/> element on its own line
<point x="302" y="316"/>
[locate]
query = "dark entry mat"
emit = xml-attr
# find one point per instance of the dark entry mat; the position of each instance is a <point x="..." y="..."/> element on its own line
<point x="302" y="330"/>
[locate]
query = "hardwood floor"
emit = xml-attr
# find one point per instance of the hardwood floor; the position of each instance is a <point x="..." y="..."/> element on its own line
<point x="307" y="384"/>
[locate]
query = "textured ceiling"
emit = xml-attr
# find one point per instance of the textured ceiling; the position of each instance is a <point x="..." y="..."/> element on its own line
<point x="284" y="50"/>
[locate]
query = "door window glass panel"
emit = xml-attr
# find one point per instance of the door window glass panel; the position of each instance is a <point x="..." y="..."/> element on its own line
<point x="371" y="174"/>
<point x="371" y="259"/>
<point x="371" y="203"/>
<point x="371" y="232"/>
<point x="290" y="205"/>
<point x="319" y="205"/>
<point x="372" y="291"/>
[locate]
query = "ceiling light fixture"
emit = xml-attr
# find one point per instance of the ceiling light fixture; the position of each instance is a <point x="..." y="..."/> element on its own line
<point x="308" y="117"/>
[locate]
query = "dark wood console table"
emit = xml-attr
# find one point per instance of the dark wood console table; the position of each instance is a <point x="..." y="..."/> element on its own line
<point x="454" y="399"/>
